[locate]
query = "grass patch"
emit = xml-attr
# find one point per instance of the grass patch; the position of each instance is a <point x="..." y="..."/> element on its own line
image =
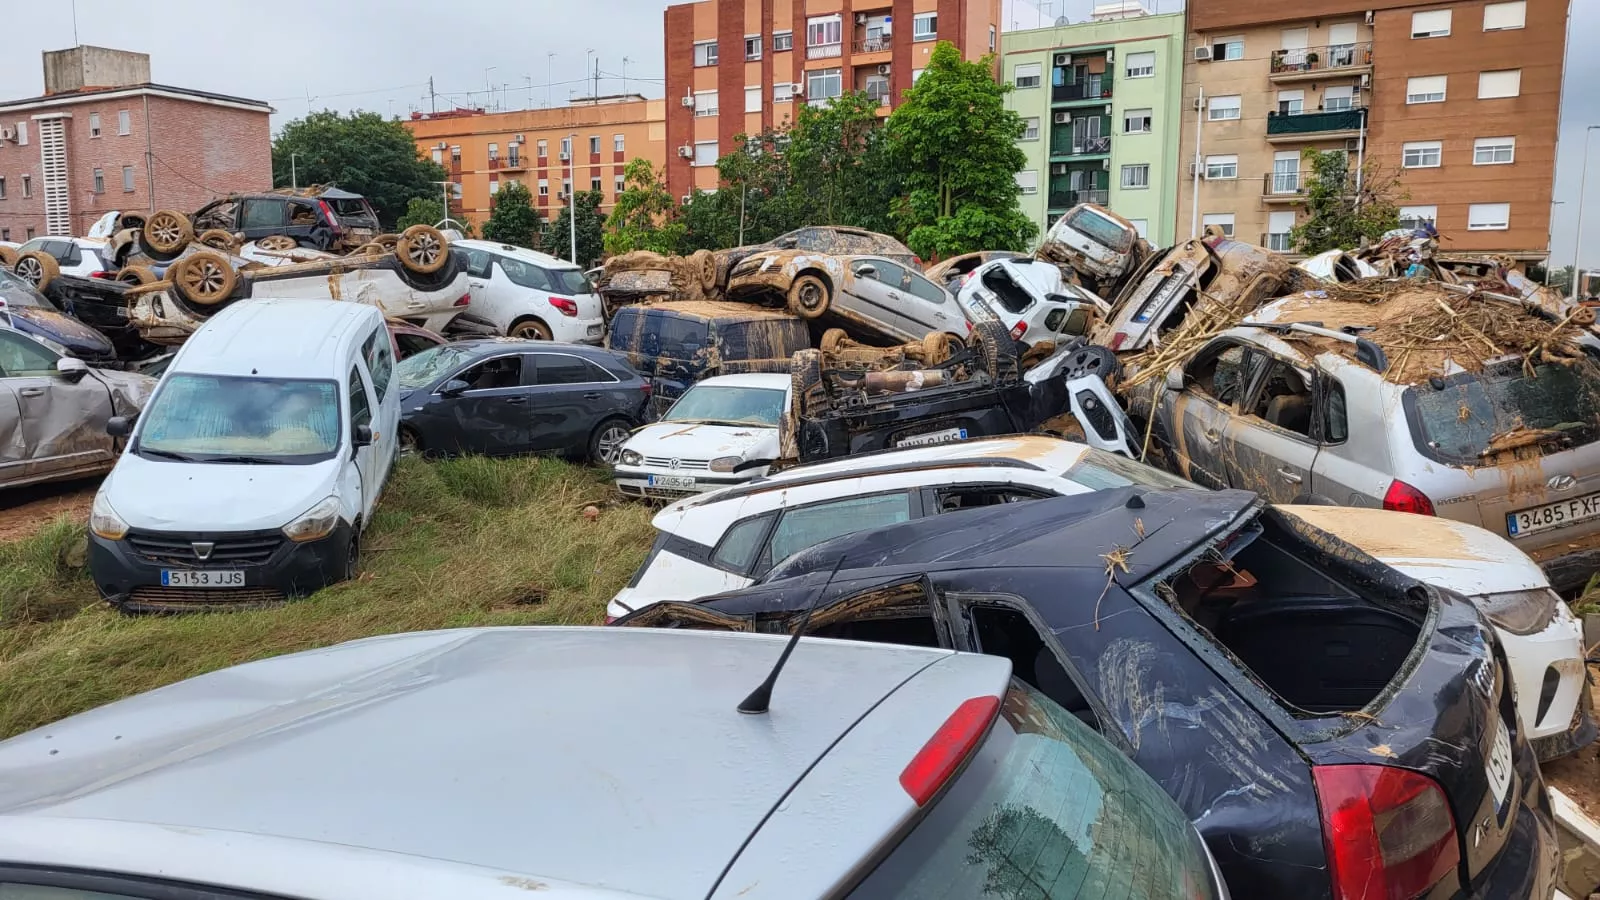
<point x="455" y="543"/>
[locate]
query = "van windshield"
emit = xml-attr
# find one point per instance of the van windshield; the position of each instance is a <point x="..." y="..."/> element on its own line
<point x="1472" y="416"/>
<point x="225" y="419"/>
<point x="1103" y="229"/>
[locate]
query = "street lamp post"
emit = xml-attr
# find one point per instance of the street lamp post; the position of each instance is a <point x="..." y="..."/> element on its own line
<point x="1583" y="177"/>
<point x="294" y="175"/>
<point x="572" y="193"/>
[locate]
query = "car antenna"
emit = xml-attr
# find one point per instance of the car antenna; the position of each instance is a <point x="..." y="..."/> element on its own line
<point x="761" y="697"/>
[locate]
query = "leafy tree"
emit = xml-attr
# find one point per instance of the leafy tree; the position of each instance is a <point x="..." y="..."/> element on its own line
<point x="1560" y="278"/>
<point x="1339" y="212"/>
<point x="512" y="217"/>
<point x="644" y="217"/>
<point x="424" y="211"/>
<point x="362" y="152"/>
<point x="591" y="231"/>
<point x="955" y="142"/>
<point x="710" y="221"/>
<point x="839" y="168"/>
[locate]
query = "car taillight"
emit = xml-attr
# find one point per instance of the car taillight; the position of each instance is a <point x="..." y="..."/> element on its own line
<point x="1388" y="832"/>
<point x="567" y="307"/>
<point x="950" y="745"/>
<point x="917" y="260"/>
<point x="463" y="300"/>
<point x="99" y="274"/>
<point x="327" y="214"/>
<point x="1402" y="497"/>
<point x="1117" y="341"/>
<point x="1018" y="330"/>
<point x="647" y="387"/>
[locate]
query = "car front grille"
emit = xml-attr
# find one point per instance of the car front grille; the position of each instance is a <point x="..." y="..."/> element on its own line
<point x="175" y="548"/>
<point x="655" y="493"/>
<point x="667" y="462"/>
<point x="167" y="598"/>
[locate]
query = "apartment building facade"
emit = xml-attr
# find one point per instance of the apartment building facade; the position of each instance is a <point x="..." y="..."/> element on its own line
<point x="1459" y="100"/>
<point x="104" y="137"/>
<point x="740" y="66"/>
<point x="582" y="146"/>
<point x="1100" y="102"/>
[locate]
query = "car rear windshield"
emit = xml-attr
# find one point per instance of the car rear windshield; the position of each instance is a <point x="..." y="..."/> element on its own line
<point x="216" y="418"/>
<point x="1103" y="230"/>
<point x="571" y="281"/>
<point x="728" y="405"/>
<point x="1468" y="417"/>
<point x="353" y="208"/>
<point x="425" y="368"/>
<point x="1046" y="809"/>
<point x="1099" y="470"/>
<point x="762" y="339"/>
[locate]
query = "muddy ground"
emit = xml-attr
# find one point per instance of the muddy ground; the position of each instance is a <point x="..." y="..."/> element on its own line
<point x="26" y="510"/>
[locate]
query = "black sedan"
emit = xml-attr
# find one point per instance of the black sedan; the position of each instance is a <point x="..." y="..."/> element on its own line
<point x="1334" y="728"/>
<point x="501" y="397"/>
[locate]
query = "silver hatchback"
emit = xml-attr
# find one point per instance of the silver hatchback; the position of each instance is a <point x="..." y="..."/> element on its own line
<point x="581" y="763"/>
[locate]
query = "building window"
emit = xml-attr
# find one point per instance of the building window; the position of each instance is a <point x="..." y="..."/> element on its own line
<point x="1136" y="177"/>
<point x="543" y="148"/>
<point x="2" y="187"/>
<point x="1142" y="226"/>
<point x="27" y="186"/>
<point x="1426" y="89"/>
<point x="1291" y="103"/>
<point x="1421" y="154"/>
<point x="544" y="187"/>
<point x="1414" y="217"/>
<point x="494" y="152"/>
<point x="705" y="53"/>
<point x="705" y="153"/>
<point x="94" y="125"/>
<point x="1505" y="83"/>
<point x="823" y="35"/>
<point x="1505" y="16"/>
<point x="566" y="188"/>
<point x="925" y="26"/>
<point x="1223" y="221"/>
<point x="822" y="85"/>
<point x="124" y="122"/>
<point x="916" y="75"/>
<point x="705" y="103"/>
<point x="783" y="92"/>
<point x="99" y="181"/>
<point x="1028" y="181"/>
<point x="438" y="157"/>
<point x="1228" y="48"/>
<point x="1222" y="108"/>
<point x="5" y="234"/>
<point x="1137" y="121"/>
<point x="1141" y="65"/>
<point x="22" y="134"/>
<point x="594" y="184"/>
<point x="752" y="99"/>
<point x="752" y="46"/>
<point x="782" y="40"/>
<point x="1280" y="229"/>
<point x="28" y="232"/>
<point x="619" y="184"/>
<point x="127" y="179"/>
<point x="494" y="186"/>
<point x="1494" y="151"/>
<point x="1488" y="217"/>
<point x="1222" y="167"/>
<point x="1027" y="75"/>
<point x="1430" y="23"/>
<point x="1338" y="99"/>
<point x="993" y="35"/>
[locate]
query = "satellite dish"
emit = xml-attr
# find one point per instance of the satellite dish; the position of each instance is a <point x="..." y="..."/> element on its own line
<point x="1063" y="20"/>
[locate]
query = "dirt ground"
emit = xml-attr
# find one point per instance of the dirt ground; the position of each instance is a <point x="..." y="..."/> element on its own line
<point x="26" y="510"/>
<point x="1578" y="776"/>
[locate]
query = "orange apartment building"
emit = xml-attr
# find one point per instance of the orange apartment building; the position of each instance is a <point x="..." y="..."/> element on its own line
<point x="739" y="66"/>
<point x="483" y="151"/>
<point x="1460" y="99"/>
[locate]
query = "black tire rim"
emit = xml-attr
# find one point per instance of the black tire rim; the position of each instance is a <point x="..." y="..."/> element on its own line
<point x="608" y="445"/>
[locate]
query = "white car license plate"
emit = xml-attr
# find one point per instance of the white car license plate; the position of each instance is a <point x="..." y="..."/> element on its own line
<point x="933" y="437"/>
<point x="217" y="578"/>
<point x="1499" y="765"/>
<point x="594" y="331"/>
<point x="671" y="481"/>
<point x="1553" y="515"/>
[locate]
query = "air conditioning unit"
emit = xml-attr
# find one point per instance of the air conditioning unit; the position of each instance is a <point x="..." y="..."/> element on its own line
<point x="687" y="101"/>
<point x="1063" y="59"/>
<point x="1202" y="54"/>
<point x="883" y="69"/>
<point x="1108" y="109"/>
<point x="798" y="89"/>
<point x="685" y="198"/>
<point x="521" y="139"/>
<point x="565" y="155"/>
<point x="7" y="133"/>
<point x="1366" y="81"/>
<point x="1353" y="145"/>
<point x="1106" y="163"/>
<point x="686" y="151"/>
<point x="1058" y="168"/>
<point x="439" y="146"/>
<point x="1063" y="118"/>
<point x="1369" y="17"/>
<point x="861" y="18"/>
<point x="1111" y="55"/>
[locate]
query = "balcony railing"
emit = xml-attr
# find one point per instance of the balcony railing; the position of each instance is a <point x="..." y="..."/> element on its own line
<point x="513" y="163"/>
<point x="1080" y="146"/>
<point x="871" y="45"/>
<point x="1096" y="88"/>
<point x="824" y="51"/>
<point x="878" y="95"/>
<point x="1312" y="122"/>
<point x="1069" y="198"/>
<point x="1282" y="184"/>
<point x="1321" y="59"/>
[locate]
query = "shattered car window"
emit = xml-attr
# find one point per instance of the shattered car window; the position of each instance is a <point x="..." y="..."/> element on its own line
<point x="1100" y="471"/>
<point x="808" y="526"/>
<point x="430" y="365"/>
<point x="726" y="405"/>
<point x="1470" y="417"/>
<point x="221" y="418"/>
<point x="1103" y="230"/>
<point x="16" y="292"/>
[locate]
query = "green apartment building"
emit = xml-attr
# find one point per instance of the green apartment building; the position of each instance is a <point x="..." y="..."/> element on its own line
<point x="1101" y="101"/>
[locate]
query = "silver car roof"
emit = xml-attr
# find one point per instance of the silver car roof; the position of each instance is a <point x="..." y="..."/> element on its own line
<point x="587" y="761"/>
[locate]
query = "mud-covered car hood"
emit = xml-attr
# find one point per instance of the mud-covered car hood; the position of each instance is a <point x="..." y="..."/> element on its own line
<point x="166" y="496"/>
<point x="683" y="440"/>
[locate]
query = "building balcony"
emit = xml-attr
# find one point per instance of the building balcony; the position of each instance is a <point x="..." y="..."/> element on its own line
<point x="879" y="94"/>
<point x="871" y="45"/>
<point x="824" y="51"/>
<point x="1096" y="88"/>
<point x="1283" y="187"/>
<point x="1319" y="126"/>
<point x="1081" y="146"/>
<point x="1313" y="63"/>
<point x="509" y="164"/>
<point x="1064" y="200"/>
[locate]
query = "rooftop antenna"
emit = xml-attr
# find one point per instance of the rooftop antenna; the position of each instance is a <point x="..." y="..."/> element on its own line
<point x="761" y="697"/>
<point x="75" y="24"/>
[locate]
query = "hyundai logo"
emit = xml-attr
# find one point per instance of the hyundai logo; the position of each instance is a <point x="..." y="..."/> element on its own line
<point x="1561" y="482"/>
<point x="202" y="549"/>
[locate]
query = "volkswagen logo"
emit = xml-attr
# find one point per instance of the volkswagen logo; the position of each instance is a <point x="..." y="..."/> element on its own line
<point x="1561" y="483"/>
<point x="672" y="463"/>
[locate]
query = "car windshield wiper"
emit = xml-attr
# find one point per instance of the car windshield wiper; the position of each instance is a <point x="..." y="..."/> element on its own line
<point x="164" y="454"/>
<point x="253" y="460"/>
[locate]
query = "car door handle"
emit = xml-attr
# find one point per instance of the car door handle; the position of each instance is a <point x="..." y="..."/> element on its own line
<point x="31" y="392"/>
<point x="1210" y="434"/>
<point x="592" y="396"/>
<point x="516" y="401"/>
<point x="1289" y="476"/>
<point x="477" y="284"/>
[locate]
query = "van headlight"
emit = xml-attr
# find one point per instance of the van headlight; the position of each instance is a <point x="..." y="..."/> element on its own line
<point x="1521" y="612"/>
<point x="726" y="463"/>
<point x="104" y="521"/>
<point x="632" y="457"/>
<point x="315" y="523"/>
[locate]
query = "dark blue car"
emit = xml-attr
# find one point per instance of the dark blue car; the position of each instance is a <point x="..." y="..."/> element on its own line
<point x="29" y="312"/>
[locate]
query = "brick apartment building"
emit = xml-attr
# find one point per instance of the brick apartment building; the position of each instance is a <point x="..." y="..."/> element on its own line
<point x="739" y="66"/>
<point x="104" y="137"/>
<point x="483" y="151"/>
<point x="1461" y="99"/>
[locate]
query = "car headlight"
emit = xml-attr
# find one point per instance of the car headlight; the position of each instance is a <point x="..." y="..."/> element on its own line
<point x="726" y="463"/>
<point x="632" y="457"/>
<point x="104" y="521"/>
<point x="315" y="523"/>
<point x="1520" y="612"/>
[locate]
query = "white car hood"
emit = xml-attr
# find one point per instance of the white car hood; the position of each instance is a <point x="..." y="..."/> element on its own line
<point x="175" y="496"/>
<point x="686" y="440"/>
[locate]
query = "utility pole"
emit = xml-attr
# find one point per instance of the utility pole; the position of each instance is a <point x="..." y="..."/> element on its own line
<point x="1199" y="126"/>
<point x="550" y="80"/>
<point x="1583" y="178"/>
<point x="624" y="74"/>
<point x="572" y="194"/>
<point x="433" y="99"/>
<point x="294" y="175"/>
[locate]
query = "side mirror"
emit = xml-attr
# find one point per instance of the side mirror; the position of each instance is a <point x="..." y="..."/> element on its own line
<point x="455" y="387"/>
<point x="867" y="272"/>
<point x="70" y="368"/>
<point x="787" y="243"/>
<point x="363" y="435"/>
<point x="1175" y="379"/>
<point x="119" y="426"/>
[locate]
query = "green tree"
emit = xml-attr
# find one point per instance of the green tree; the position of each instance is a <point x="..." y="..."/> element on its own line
<point x="840" y="172"/>
<point x="512" y="217"/>
<point x="1342" y="209"/>
<point x="710" y="222"/>
<point x="591" y="231"/>
<point x="645" y="215"/>
<point x="420" y="211"/>
<point x="955" y="142"/>
<point x="362" y="152"/>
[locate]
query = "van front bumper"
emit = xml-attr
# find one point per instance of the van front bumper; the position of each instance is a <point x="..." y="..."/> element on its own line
<point x="127" y="572"/>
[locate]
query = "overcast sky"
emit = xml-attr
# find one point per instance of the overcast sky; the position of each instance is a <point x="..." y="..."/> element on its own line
<point x="379" y="55"/>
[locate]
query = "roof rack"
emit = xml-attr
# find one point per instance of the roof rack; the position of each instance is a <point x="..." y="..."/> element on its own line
<point x="768" y="483"/>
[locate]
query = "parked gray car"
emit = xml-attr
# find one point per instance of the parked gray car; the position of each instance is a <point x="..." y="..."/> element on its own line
<point x="587" y="763"/>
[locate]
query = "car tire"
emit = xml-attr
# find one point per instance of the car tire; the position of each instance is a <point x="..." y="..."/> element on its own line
<point x="996" y="351"/>
<point x="809" y="296"/>
<point x="833" y="341"/>
<point x="939" y="347"/>
<point x="703" y="267"/>
<point x="8" y="257"/>
<point x="423" y="249"/>
<point x="352" y="556"/>
<point x="136" y="275"/>
<point x="805" y="376"/>
<point x="205" y="278"/>
<point x="38" y="269"/>
<point x="217" y="239"/>
<point x="605" y="445"/>
<point x="531" y="330"/>
<point x="167" y="232"/>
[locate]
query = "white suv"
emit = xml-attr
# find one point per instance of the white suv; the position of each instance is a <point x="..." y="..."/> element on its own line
<point x="1031" y="299"/>
<point x="532" y="295"/>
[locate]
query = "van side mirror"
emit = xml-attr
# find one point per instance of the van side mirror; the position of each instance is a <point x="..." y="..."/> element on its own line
<point x="71" y="369"/>
<point x="455" y="387"/>
<point x="363" y="435"/>
<point x="1175" y="379"/>
<point x="119" y="426"/>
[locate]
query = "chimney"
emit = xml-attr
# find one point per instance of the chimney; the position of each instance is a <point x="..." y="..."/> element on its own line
<point x="85" y="68"/>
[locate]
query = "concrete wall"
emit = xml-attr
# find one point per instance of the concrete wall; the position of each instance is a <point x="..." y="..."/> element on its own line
<point x="78" y="68"/>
